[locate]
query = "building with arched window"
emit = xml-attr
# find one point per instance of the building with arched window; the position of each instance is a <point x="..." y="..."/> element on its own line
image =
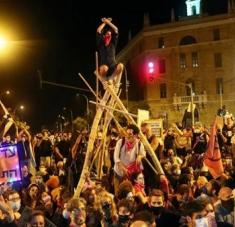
<point x="198" y="50"/>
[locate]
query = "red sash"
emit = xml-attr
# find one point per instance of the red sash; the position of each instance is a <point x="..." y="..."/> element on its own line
<point x="133" y="168"/>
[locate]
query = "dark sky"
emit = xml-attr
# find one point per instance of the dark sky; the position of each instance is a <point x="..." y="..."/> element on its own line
<point x="58" y="38"/>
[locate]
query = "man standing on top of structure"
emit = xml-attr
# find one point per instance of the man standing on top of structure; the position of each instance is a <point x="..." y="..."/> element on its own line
<point x="107" y="38"/>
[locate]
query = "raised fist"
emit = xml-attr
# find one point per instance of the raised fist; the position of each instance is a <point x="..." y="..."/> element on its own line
<point x="105" y="20"/>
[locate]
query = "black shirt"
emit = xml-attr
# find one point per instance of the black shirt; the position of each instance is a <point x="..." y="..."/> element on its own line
<point x="6" y="224"/>
<point x="64" y="147"/>
<point x="45" y="148"/>
<point x="107" y="53"/>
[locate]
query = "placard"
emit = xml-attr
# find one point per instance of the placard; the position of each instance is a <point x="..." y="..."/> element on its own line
<point x="143" y="115"/>
<point x="9" y="164"/>
<point x="156" y="126"/>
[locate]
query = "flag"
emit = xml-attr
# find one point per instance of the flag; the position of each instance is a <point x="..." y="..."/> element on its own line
<point x="6" y="120"/>
<point x="212" y="156"/>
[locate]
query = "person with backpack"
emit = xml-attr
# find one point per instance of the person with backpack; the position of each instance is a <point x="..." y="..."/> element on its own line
<point x="128" y="154"/>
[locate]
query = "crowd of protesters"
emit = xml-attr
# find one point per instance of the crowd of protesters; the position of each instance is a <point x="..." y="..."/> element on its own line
<point x="130" y="191"/>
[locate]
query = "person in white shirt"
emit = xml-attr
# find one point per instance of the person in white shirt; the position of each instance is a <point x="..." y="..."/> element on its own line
<point x="128" y="155"/>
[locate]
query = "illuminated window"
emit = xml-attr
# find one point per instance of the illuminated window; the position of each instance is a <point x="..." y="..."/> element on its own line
<point x="195" y="60"/>
<point x="182" y="61"/>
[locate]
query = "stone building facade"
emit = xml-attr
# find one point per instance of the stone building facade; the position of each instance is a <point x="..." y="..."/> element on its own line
<point x="163" y="61"/>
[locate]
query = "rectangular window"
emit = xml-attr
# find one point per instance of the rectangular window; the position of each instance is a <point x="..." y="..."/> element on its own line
<point x="218" y="60"/>
<point x="195" y="59"/>
<point x="183" y="61"/>
<point x="219" y="86"/>
<point x="162" y="66"/>
<point x="161" y="43"/>
<point x="163" y="91"/>
<point x="216" y="34"/>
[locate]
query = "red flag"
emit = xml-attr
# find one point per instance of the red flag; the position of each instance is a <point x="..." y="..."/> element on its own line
<point x="212" y="156"/>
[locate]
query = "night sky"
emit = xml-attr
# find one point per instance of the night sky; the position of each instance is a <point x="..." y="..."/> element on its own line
<point x="59" y="40"/>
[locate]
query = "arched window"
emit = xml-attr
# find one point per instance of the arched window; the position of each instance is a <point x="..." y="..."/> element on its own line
<point x="194" y="10"/>
<point x="187" y="40"/>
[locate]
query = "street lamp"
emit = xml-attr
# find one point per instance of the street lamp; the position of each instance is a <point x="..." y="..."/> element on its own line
<point x="5" y="46"/>
<point x="7" y="92"/>
<point x="18" y="107"/>
<point x="87" y="106"/>
<point x="191" y="94"/>
<point x="3" y="43"/>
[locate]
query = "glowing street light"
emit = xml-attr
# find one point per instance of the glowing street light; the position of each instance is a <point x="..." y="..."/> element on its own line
<point x="18" y="107"/>
<point x="21" y="107"/>
<point x="7" y="92"/>
<point x="3" y="43"/>
<point x="7" y="45"/>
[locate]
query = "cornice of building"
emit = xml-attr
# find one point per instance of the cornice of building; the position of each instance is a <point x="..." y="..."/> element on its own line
<point x="195" y="23"/>
<point x="183" y="25"/>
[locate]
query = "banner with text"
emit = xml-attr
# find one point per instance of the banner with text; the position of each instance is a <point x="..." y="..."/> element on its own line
<point x="9" y="164"/>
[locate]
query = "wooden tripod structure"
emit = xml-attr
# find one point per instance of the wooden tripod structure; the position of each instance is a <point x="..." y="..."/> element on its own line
<point x="110" y="99"/>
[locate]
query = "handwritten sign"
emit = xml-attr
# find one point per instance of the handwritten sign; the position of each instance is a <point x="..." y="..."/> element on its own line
<point x="156" y="126"/>
<point x="9" y="164"/>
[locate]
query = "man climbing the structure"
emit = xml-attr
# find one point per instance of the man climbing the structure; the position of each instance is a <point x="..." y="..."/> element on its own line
<point x="107" y="38"/>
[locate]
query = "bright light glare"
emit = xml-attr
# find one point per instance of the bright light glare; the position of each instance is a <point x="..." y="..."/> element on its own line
<point x="150" y="64"/>
<point x="151" y="70"/>
<point x="21" y="107"/>
<point x="3" y="43"/>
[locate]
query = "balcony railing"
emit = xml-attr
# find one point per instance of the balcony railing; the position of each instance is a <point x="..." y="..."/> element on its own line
<point x="182" y="100"/>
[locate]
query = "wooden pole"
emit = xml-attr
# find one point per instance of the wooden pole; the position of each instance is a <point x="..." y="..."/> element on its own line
<point x="131" y="120"/>
<point x="97" y="80"/>
<point x="90" y="145"/>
